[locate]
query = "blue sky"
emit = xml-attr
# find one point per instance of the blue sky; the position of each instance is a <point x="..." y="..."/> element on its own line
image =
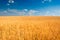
<point x="29" y="7"/>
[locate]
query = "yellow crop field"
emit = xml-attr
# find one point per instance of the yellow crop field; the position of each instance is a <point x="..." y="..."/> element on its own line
<point x="29" y="28"/>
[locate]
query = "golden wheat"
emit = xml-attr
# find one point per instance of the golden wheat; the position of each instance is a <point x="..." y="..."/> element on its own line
<point x="29" y="28"/>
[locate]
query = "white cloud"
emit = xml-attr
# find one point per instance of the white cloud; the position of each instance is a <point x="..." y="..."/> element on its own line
<point x="49" y="13"/>
<point x="26" y="12"/>
<point x="46" y="1"/>
<point x="25" y="9"/>
<point x="43" y="2"/>
<point x="50" y="0"/>
<point x="32" y="12"/>
<point x="11" y="1"/>
<point x="8" y="4"/>
<point x="52" y="13"/>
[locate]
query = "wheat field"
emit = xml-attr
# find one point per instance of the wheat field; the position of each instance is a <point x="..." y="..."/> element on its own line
<point x="29" y="28"/>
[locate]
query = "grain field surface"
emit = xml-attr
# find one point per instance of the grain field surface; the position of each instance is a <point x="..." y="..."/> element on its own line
<point x="29" y="28"/>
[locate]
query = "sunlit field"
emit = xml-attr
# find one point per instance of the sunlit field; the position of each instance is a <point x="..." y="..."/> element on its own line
<point x="29" y="28"/>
